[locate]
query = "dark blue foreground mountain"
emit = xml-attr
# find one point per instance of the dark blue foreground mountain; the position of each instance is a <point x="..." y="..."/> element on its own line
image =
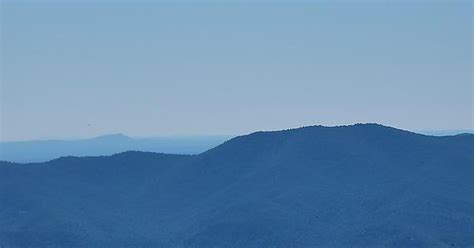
<point x="352" y="186"/>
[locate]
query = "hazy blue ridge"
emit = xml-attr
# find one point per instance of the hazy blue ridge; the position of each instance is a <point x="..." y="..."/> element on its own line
<point x="41" y="151"/>
<point x="447" y="132"/>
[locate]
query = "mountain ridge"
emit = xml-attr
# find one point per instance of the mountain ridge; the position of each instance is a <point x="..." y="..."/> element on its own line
<point x="120" y="136"/>
<point x="356" y="186"/>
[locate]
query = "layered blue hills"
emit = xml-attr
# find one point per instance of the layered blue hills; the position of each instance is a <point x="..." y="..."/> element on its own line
<point x="44" y="150"/>
<point x="364" y="185"/>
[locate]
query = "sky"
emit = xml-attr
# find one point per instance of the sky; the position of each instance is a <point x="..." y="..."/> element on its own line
<point x="74" y="69"/>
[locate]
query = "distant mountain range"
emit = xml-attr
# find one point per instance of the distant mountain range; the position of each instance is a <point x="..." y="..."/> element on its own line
<point x="41" y="151"/>
<point x="44" y="150"/>
<point x="447" y="132"/>
<point x="363" y="185"/>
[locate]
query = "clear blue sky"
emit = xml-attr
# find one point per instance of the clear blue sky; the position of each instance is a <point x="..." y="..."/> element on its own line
<point x="228" y="67"/>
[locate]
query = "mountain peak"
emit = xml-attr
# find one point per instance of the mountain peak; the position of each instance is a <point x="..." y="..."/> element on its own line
<point x="316" y="139"/>
<point x="358" y="128"/>
<point x="116" y="136"/>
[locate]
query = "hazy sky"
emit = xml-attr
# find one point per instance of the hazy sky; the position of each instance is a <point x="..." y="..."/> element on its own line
<point x="84" y="69"/>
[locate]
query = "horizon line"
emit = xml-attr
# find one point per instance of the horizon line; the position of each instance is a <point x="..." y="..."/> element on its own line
<point x="429" y="132"/>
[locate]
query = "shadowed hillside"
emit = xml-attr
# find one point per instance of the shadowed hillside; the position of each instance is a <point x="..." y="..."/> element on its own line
<point x="364" y="185"/>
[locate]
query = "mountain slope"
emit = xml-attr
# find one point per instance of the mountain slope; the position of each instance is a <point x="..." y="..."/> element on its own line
<point x="351" y="186"/>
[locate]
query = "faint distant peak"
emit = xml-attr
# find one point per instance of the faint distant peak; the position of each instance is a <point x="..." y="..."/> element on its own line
<point x="465" y="134"/>
<point x="447" y="132"/>
<point x="117" y="136"/>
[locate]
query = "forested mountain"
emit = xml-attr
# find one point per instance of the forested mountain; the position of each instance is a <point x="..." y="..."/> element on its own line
<point x="363" y="185"/>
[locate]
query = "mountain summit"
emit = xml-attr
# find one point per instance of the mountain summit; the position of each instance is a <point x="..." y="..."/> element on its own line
<point x="363" y="185"/>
